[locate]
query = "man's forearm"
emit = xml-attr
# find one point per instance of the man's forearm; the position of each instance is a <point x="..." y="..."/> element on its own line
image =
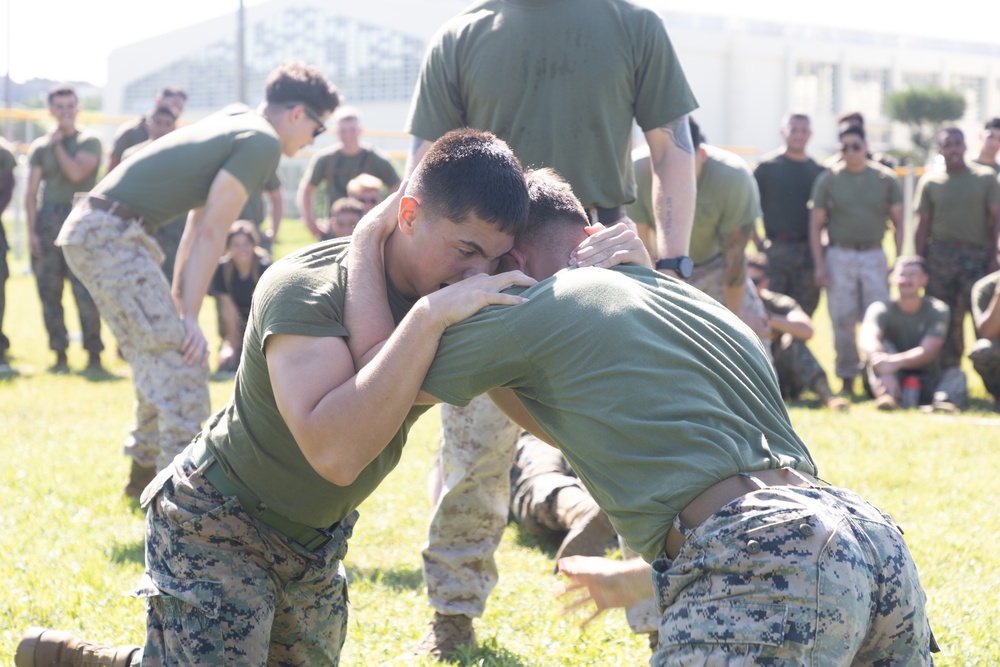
<point x="77" y="167"/>
<point x="367" y="316"/>
<point x="306" y="206"/>
<point x="671" y="152"/>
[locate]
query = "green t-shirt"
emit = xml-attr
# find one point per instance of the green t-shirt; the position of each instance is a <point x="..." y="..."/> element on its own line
<point x="254" y="210"/>
<point x="303" y="295"/>
<point x="785" y="185"/>
<point x="174" y="173"/>
<point x="857" y="203"/>
<point x="598" y="357"/>
<point x="56" y="188"/>
<point x="560" y="81"/>
<point x="905" y="330"/>
<point x="7" y="163"/>
<point x="129" y="134"/>
<point x="334" y="170"/>
<point x="959" y="204"/>
<point x="982" y="294"/>
<point x="727" y="200"/>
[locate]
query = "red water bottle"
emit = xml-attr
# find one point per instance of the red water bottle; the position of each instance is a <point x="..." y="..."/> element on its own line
<point x="911" y="392"/>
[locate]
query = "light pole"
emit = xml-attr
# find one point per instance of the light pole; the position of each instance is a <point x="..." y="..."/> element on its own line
<point x="241" y="81"/>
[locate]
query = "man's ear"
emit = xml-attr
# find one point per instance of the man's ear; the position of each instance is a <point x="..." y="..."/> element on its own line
<point x="409" y="207"/>
<point x="518" y="258"/>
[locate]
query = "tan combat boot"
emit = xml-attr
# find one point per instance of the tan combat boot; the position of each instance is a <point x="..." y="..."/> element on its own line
<point x="138" y="479"/>
<point x="51" y="648"/>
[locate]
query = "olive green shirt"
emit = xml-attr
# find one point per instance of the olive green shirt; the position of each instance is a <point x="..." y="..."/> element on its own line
<point x="578" y="354"/>
<point x="857" y="204"/>
<point x="333" y="170"/>
<point x="300" y="295"/>
<point x="129" y="134"/>
<point x="905" y="330"/>
<point x="173" y="174"/>
<point x="982" y="294"/>
<point x="56" y="188"/>
<point x="959" y="204"/>
<point x="727" y="200"/>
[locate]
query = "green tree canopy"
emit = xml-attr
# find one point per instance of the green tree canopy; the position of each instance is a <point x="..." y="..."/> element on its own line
<point x="924" y="110"/>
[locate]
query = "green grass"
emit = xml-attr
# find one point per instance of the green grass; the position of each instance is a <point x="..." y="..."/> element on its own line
<point x="71" y="544"/>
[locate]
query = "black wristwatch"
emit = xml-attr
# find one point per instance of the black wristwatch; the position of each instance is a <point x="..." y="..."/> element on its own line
<point x="682" y="265"/>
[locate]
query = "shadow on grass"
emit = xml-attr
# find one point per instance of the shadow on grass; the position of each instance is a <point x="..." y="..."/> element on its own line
<point x="547" y="544"/>
<point x="396" y="579"/>
<point x="135" y="553"/>
<point x="99" y="375"/>
<point x="488" y="654"/>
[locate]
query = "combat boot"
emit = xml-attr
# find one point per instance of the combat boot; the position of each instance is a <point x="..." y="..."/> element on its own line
<point x="51" y="648"/>
<point x="444" y="637"/>
<point x="829" y="400"/>
<point x="138" y="479"/>
<point x="590" y="531"/>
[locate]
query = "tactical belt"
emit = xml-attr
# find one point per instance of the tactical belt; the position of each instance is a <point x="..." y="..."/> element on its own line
<point x="306" y="536"/>
<point x="720" y="494"/>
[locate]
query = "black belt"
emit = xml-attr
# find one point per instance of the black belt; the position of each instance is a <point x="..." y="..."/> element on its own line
<point x="111" y="206"/>
<point x="786" y="238"/>
<point x="606" y="216"/>
<point x="306" y="536"/>
<point x="858" y="246"/>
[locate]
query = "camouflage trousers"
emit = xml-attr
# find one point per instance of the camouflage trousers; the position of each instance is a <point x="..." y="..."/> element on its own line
<point x="792" y="576"/>
<point x="120" y="264"/>
<point x="953" y="271"/>
<point x="796" y="366"/>
<point x="469" y="517"/>
<point x="985" y="359"/>
<point x="539" y="472"/>
<point x="51" y="273"/>
<point x="855" y="280"/>
<point x="223" y="588"/>
<point x="792" y="272"/>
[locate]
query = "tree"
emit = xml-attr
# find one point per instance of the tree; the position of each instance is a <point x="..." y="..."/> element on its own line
<point x="924" y="110"/>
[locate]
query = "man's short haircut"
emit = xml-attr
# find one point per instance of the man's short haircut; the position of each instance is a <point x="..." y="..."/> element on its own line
<point x="851" y="118"/>
<point x="296" y="82"/>
<point x="172" y="91"/>
<point x="553" y="205"/>
<point x="346" y="112"/>
<point x="471" y="172"/>
<point x="945" y="132"/>
<point x="347" y="205"/>
<point x="787" y="119"/>
<point x="164" y="111"/>
<point x="61" y="90"/>
<point x="758" y="260"/>
<point x="696" y="136"/>
<point x="364" y="182"/>
<point x="857" y="130"/>
<point x="992" y="124"/>
<point x="911" y="260"/>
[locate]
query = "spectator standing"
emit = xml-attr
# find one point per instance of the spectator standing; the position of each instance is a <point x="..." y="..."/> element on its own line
<point x="986" y="316"/>
<point x="852" y="200"/>
<point x="62" y="163"/>
<point x="902" y="339"/>
<point x="785" y="180"/>
<point x="334" y="167"/>
<point x="255" y="211"/>
<point x="7" y="164"/>
<point x="137" y="130"/>
<point x="958" y="231"/>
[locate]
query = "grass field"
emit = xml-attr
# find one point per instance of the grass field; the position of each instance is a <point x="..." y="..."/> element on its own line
<point x="72" y="545"/>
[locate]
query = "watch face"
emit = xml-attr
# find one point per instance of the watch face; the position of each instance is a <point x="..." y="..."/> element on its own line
<point x="682" y="265"/>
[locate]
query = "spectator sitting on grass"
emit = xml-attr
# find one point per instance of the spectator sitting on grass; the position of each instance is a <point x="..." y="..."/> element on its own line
<point x="233" y="285"/>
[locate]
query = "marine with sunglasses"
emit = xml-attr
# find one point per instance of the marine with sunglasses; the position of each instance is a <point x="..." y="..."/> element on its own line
<point x="207" y="168"/>
<point x="853" y="200"/>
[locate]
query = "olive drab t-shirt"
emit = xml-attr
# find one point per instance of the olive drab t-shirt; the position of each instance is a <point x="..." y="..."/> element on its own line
<point x="301" y="295"/>
<point x="174" y="173"/>
<point x="56" y="188"/>
<point x="559" y="81"/>
<point x="959" y="204"/>
<point x="906" y="330"/>
<point x="643" y="449"/>
<point x="333" y="170"/>
<point x="727" y="200"/>
<point x="7" y="163"/>
<point x="982" y="294"/>
<point x="857" y="203"/>
<point x="130" y="134"/>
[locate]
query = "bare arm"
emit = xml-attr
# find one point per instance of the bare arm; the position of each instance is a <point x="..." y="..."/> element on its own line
<point x="277" y="212"/>
<point x="511" y="405"/>
<point x="306" y="193"/>
<point x="817" y="221"/>
<point x="734" y="273"/>
<point x="899" y="229"/>
<point x="201" y="245"/>
<point x="995" y="219"/>
<point x="113" y="162"/>
<point x="417" y="150"/>
<point x="671" y="152"/>
<point x="988" y="323"/>
<point x="797" y="322"/>
<point x="76" y="168"/>
<point x="923" y="229"/>
<point x="31" y="209"/>
<point x="230" y="321"/>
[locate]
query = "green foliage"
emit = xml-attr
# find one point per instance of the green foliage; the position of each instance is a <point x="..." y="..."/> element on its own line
<point x="72" y="544"/>
<point x="924" y="110"/>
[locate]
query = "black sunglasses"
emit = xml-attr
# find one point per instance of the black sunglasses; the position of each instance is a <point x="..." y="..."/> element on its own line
<point x="850" y="147"/>
<point x="320" y="127"/>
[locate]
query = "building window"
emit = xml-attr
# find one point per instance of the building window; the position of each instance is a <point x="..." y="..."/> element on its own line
<point x="815" y="88"/>
<point x="974" y="89"/>
<point x="866" y="91"/>
<point x="921" y="80"/>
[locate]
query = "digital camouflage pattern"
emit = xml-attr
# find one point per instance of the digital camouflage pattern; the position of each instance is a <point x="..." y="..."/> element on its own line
<point x="791" y="270"/>
<point x="792" y="576"/>
<point x="953" y="271"/>
<point x="855" y="280"/>
<point x="121" y="265"/>
<point x="51" y="274"/>
<point x="477" y="451"/>
<point x="223" y="588"/>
